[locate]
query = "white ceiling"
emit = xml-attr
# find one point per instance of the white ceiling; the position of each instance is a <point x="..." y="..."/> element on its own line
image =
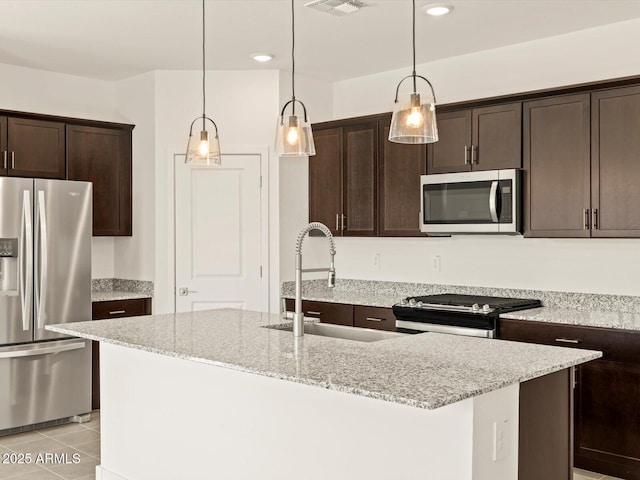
<point x="115" y="39"/>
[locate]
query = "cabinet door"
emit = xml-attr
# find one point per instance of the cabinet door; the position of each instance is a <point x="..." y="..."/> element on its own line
<point x="325" y="179"/>
<point x="607" y="418"/>
<point x="103" y="156"/>
<point x="615" y="155"/>
<point x="557" y="167"/>
<point x="497" y="137"/>
<point x="3" y="146"/>
<point x="360" y="160"/>
<point x="400" y="167"/>
<point x="451" y="153"/>
<point x="36" y="148"/>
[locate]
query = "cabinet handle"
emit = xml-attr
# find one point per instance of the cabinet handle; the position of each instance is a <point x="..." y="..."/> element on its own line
<point x="13" y="160"/>
<point x="474" y="157"/>
<point x="4" y="160"/>
<point x="595" y="219"/>
<point x="586" y="218"/>
<point x="116" y="312"/>
<point x="311" y="312"/>
<point x="337" y="222"/>
<point x="374" y="319"/>
<point x="466" y="155"/>
<point x="344" y="217"/>
<point x="567" y="340"/>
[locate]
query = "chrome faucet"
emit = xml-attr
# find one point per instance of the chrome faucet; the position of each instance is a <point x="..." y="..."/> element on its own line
<point x="298" y="317"/>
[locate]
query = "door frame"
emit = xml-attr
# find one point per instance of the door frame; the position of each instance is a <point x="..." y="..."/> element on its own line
<point x="263" y="152"/>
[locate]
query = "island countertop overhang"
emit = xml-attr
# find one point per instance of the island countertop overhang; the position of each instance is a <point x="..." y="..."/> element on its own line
<point x="424" y="371"/>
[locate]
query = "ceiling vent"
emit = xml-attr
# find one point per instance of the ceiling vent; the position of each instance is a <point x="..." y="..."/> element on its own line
<point x="336" y="7"/>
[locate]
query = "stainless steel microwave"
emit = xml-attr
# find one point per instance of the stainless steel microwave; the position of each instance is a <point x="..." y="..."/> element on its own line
<point x="471" y="202"/>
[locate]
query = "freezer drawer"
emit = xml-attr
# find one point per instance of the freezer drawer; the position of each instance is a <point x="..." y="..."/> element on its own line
<point x="44" y="381"/>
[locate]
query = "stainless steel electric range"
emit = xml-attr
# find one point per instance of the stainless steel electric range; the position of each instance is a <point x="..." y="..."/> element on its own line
<point x="470" y="315"/>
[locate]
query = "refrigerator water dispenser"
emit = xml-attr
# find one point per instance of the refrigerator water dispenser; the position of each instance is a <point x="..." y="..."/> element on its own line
<point x="8" y="266"/>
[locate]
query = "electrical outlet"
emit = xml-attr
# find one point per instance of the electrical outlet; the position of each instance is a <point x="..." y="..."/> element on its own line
<point x="376" y="261"/>
<point x="500" y="440"/>
<point x="435" y="263"/>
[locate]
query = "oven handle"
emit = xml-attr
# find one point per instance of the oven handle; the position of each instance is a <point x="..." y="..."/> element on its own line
<point x="493" y="201"/>
<point x="450" y="329"/>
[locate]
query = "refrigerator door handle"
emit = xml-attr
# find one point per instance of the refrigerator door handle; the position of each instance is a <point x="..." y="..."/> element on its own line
<point x="45" y="350"/>
<point x="25" y="260"/>
<point x="41" y="287"/>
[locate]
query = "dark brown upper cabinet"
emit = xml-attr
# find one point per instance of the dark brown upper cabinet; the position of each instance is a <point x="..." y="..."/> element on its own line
<point x="485" y="138"/>
<point x="582" y="165"/>
<point x="360" y="159"/>
<point x="615" y="163"/>
<point x="4" y="165"/>
<point x="32" y="148"/>
<point x="399" y="170"/>
<point x="557" y="167"/>
<point x="325" y="179"/>
<point x="343" y="179"/>
<point x="103" y="156"/>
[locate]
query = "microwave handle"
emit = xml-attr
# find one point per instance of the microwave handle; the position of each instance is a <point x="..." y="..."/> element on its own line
<point x="493" y="201"/>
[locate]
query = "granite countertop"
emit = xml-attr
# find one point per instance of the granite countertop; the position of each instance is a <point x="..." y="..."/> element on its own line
<point x="425" y="371"/>
<point x="582" y="309"/>
<point x="583" y="318"/>
<point x="109" y="296"/>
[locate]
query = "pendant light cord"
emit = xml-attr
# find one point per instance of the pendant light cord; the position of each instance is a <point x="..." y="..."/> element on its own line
<point x="414" y="46"/>
<point x="203" y="70"/>
<point x="293" y="57"/>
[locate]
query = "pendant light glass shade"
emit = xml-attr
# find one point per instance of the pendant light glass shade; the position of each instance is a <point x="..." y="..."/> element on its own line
<point x="414" y="118"/>
<point x="203" y="148"/>
<point x="294" y="137"/>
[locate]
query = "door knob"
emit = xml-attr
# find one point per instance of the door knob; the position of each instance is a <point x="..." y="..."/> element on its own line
<point x="184" y="291"/>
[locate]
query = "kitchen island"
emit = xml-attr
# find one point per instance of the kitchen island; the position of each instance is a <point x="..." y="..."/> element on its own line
<point x="214" y="394"/>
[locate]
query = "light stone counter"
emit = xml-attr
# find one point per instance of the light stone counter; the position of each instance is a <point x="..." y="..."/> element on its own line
<point x="426" y="371"/>
<point x="110" y="296"/>
<point x="584" y="318"/>
<point x="583" y="309"/>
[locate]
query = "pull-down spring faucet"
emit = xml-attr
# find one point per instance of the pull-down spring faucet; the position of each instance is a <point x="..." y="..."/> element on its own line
<point x="298" y="317"/>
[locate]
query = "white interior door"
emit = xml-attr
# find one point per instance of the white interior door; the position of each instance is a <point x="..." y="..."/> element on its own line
<point x="218" y="234"/>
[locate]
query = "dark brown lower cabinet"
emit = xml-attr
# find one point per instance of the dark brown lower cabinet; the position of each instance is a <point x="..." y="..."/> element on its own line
<point x="546" y="427"/>
<point x="607" y="393"/>
<point x="378" y="318"/>
<point x="112" y="309"/>
<point x="326" y="312"/>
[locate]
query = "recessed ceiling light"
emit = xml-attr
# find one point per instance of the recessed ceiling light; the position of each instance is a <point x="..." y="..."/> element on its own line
<point x="262" y="57"/>
<point x="438" y="10"/>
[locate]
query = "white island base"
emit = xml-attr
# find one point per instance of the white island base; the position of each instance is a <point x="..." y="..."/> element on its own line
<point x="170" y="418"/>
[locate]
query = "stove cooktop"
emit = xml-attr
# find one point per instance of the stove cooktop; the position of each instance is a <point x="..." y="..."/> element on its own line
<point x="468" y="303"/>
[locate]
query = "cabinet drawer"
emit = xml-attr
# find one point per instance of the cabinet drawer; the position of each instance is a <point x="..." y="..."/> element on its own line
<point x="615" y="345"/>
<point x="121" y="308"/>
<point x="374" y="317"/>
<point x="326" y="312"/>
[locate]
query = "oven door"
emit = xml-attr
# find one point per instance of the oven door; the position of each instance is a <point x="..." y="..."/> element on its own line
<point x="470" y="202"/>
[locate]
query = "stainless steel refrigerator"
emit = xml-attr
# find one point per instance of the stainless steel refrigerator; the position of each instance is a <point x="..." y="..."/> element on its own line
<point x="45" y="278"/>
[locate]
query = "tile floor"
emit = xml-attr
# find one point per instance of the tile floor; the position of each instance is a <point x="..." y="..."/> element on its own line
<point x="75" y="448"/>
<point x="83" y="440"/>
<point x="584" y="475"/>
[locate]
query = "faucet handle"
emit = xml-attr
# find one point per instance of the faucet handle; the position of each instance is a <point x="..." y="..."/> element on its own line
<point x="331" y="279"/>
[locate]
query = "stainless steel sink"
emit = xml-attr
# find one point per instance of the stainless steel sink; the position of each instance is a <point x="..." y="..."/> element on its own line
<point x="341" y="331"/>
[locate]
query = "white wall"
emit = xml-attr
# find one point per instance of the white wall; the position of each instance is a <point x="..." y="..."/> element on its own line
<point x="230" y="96"/>
<point x="587" y="265"/>
<point x="134" y="257"/>
<point x="39" y="91"/>
<point x="317" y="96"/>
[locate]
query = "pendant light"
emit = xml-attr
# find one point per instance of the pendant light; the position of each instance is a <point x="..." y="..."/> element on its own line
<point x="414" y="120"/>
<point x="293" y="134"/>
<point x="203" y="148"/>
